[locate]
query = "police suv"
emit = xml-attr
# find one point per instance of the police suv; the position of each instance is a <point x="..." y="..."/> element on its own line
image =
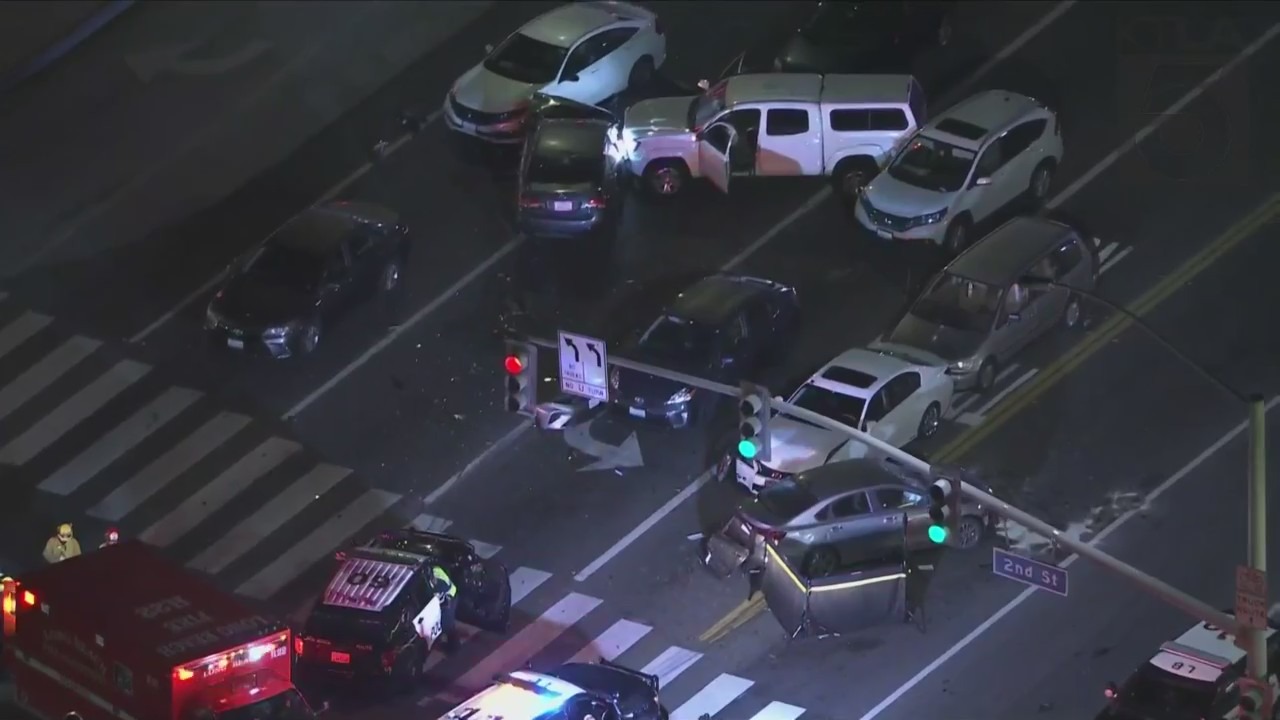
<point x="1197" y="676"/>
<point x="573" y="691"/>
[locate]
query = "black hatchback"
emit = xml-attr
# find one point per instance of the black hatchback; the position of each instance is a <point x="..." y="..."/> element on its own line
<point x="570" y="179"/>
<point x="724" y="328"/>
<point x="278" y="299"/>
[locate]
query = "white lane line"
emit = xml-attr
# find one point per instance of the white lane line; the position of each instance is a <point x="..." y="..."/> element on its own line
<point x="712" y="698"/>
<point x="404" y="327"/>
<point x="430" y="523"/>
<point x="1163" y="117"/>
<point x="120" y="440"/>
<point x="1115" y="260"/>
<point x="498" y="446"/>
<point x="1058" y="11"/>
<point x="527" y="643"/>
<point x="644" y="526"/>
<point x="668" y="666"/>
<point x="1105" y="252"/>
<point x="41" y="375"/>
<point x="778" y="711"/>
<point x="21" y="330"/>
<point x="611" y="643"/>
<point x="971" y="397"/>
<point x="990" y="622"/>
<point x="975" y="418"/>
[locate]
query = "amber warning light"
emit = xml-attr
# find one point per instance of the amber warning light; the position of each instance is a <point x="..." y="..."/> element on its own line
<point x="513" y="364"/>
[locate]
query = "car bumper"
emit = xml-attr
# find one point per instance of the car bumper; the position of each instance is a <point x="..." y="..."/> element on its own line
<point x="676" y="415"/>
<point x="964" y="380"/>
<point x="557" y="227"/>
<point x="509" y="132"/>
<point x="277" y="348"/>
<point x="932" y="233"/>
<point x="752" y="480"/>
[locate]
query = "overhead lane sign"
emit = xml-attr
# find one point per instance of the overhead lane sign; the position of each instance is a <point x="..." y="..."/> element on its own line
<point x="584" y="367"/>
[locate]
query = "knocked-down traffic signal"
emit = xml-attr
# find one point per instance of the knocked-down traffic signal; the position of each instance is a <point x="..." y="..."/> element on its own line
<point x="1255" y="699"/>
<point x="521" y="366"/>
<point x="753" y="422"/>
<point x="944" y="510"/>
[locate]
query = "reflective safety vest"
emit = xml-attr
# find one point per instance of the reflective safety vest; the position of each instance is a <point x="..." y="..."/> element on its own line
<point x="438" y="573"/>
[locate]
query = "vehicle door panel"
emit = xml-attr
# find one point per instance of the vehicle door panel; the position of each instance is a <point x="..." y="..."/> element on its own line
<point x="1009" y="334"/>
<point x="583" y="61"/>
<point x="790" y="143"/>
<point x="987" y="199"/>
<point x="484" y="596"/>
<point x="340" y="283"/>
<point x="1046" y="304"/>
<point x="853" y="528"/>
<point x="1019" y="146"/>
<point x="713" y="154"/>
<point x="910" y="503"/>
<point x="878" y="412"/>
<point x="365" y="263"/>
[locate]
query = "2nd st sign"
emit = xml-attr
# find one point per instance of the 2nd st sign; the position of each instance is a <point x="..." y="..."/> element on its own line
<point x="1029" y="572"/>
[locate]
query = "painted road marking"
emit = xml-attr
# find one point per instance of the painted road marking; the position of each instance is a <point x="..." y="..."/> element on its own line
<point x="668" y="665"/>
<point x="1115" y="260"/>
<point x="712" y="698"/>
<point x="21" y="329"/>
<point x="973" y="396"/>
<point x="778" y="711"/>
<point x="529" y="641"/>
<point x="612" y="642"/>
<point x="1105" y="252"/>
<point x="485" y="550"/>
<point x="35" y="379"/>
<point x="973" y="418"/>
<point x="430" y="523"/>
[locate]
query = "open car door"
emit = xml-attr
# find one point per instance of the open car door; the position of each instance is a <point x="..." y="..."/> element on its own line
<point x="836" y="604"/>
<point x="713" y="154"/>
<point x="484" y="596"/>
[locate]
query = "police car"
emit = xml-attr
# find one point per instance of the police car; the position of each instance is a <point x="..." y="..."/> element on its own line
<point x="1195" y="676"/>
<point x="574" y="691"/>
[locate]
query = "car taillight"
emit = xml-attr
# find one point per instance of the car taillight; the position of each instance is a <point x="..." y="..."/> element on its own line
<point x="771" y="535"/>
<point x="530" y="202"/>
<point x="297" y="646"/>
<point x="595" y="203"/>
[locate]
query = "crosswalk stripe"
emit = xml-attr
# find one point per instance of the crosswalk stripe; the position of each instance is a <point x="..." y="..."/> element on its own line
<point x="612" y="642"/>
<point x="668" y="666"/>
<point x="21" y="330"/>
<point x="712" y="698"/>
<point x="318" y="543"/>
<point x="485" y="550"/>
<point x="430" y="523"/>
<point x="525" y="580"/>
<point x="164" y="469"/>
<point x="254" y="529"/>
<point x="41" y="375"/>
<point x="210" y="498"/>
<point x="778" y="711"/>
<point x="529" y="641"/>
<point x="72" y="412"/>
<point x="124" y="437"/>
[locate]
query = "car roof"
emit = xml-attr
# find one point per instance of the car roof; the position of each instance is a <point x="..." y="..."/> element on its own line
<point x="567" y="24"/>
<point x="1204" y="644"/>
<point x="351" y="586"/>
<point x="324" y="227"/>
<point x="835" y="478"/>
<point x="858" y="372"/>
<point x="981" y="117"/>
<point x="870" y="89"/>
<point x="576" y="137"/>
<point x="711" y="300"/>
<point x="1005" y="254"/>
<point x="811" y="87"/>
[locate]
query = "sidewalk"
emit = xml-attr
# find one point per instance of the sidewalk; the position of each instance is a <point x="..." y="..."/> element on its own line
<point x="35" y="33"/>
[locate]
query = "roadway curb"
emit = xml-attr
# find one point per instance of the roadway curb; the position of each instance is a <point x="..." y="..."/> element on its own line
<point x="42" y="60"/>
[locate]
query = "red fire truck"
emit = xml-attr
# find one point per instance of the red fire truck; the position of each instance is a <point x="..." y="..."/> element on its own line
<point x="122" y="633"/>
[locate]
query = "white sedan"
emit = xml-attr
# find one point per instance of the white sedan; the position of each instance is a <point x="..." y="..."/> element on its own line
<point x="587" y="52"/>
<point x="888" y="393"/>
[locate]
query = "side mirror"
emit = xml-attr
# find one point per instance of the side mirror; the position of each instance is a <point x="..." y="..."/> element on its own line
<point x="571" y="77"/>
<point x="982" y="182"/>
<point x="704" y="84"/>
<point x="488" y="48"/>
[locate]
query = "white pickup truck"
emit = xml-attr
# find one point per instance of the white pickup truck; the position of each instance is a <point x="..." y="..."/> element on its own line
<point x="772" y="125"/>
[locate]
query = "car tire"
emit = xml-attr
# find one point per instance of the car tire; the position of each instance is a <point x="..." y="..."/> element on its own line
<point x="956" y="238"/>
<point x="930" y="421"/>
<point x="665" y="178"/>
<point x="987" y="375"/>
<point x="1041" y="181"/>
<point x="310" y="337"/>
<point x="852" y="175"/>
<point x="820" y="562"/>
<point x="969" y="533"/>
<point x="1073" y="313"/>
<point x="641" y="73"/>
<point x="389" y="278"/>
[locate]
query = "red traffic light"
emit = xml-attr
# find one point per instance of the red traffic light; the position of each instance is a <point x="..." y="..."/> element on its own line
<point x="513" y="364"/>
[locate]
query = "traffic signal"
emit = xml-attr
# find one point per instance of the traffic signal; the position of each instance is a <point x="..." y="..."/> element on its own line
<point x="754" y="410"/>
<point x="521" y="366"/>
<point x="1255" y="699"/>
<point x="944" y="509"/>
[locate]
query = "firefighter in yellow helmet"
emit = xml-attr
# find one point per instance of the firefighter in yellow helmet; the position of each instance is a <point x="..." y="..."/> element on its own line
<point x="443" y="586"/>
<point x="62" y="545"/>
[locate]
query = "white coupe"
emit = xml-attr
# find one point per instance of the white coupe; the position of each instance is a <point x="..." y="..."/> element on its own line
<point x="889" y="393"/>
<point x="587" y="52"/>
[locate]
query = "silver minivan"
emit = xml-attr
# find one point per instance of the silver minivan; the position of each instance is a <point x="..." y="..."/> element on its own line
<point x="981" y="310"/>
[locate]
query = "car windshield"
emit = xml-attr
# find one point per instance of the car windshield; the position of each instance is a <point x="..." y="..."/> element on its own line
<point x="956" y="302"/>
<point x="933" y="165"/>
<point x="285" y="706"/>
<point x="787" y="499"/>
<point x="677" y="340"/>
<point x="850" y="22"/>
<point x="1153" y="692"/>
<point x="842" y="408"/>
<point x="564" y="169"/>
<point x="523" y="59"/>
<point x="707" y="106"/>
<point x="286" y="266"/>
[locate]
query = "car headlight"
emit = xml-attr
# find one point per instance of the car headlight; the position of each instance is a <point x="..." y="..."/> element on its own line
<point x="932" y="218"/>
<point x="614" y="377"/>
<point x="964" y="366"/>
<point x="278" y="330"/>
<point x="683" y="395"/>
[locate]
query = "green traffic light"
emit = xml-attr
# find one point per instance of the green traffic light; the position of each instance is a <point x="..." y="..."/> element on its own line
<point x="937" y="534"/>
<point x="747" y="449"/>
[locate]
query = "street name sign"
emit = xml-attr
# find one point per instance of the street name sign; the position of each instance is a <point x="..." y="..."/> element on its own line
<point x="1029" y="572"/>
<point x="584" y="367"/>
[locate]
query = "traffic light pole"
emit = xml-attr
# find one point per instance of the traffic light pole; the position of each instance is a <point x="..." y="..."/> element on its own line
<point x="1158" y="588"/>
<point x="1256" y="640"/>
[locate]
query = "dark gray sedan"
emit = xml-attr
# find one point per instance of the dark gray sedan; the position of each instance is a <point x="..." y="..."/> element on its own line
<point x="569" y="179"/>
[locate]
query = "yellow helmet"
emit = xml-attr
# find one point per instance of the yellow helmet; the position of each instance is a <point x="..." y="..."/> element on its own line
<point x="64" y="529"/>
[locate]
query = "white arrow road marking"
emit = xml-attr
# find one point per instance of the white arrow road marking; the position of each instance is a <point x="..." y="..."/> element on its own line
<point x="147" y="65"/>
<point x="608" y="457"/>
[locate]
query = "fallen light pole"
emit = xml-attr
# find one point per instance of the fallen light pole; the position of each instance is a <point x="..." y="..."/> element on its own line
<point x="1152" y="585"/>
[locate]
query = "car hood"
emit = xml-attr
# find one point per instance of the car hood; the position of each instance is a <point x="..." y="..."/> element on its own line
<point x="251" y="304"/>
<point x="489" y="92"/>
<point x="643" y="390"/>
<point x="890" y="195"/>
<point x="950" y="344"/>
<point x="796" y="446"/>
<point x="658" y="116"/>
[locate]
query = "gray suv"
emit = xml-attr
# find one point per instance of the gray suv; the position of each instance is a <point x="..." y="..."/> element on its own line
<point x="835" y="516"/>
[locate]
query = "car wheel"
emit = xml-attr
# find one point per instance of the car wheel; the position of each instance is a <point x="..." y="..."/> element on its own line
<point x="969" y="533"/>
<point x="987" y="375"/>
<point x="389" y="280"/>
<point x="851" y="176"/>
<point x="1041" y="181"/>
<point x="641" y="73"/>
<point x="820" y="562"/>
<point x="930" y="421"/>
<point x="957" y="237"/>
<point x="665" y="178"/>
<point x="310" y="338"/>
<point x="1073" y="313"/>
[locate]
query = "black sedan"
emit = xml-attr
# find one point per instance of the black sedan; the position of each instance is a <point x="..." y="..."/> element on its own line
<point x="722" y="328"/>
<point x="853" y="37"/>
<point x="278" y="299"/>
<point x="574" y="691"/>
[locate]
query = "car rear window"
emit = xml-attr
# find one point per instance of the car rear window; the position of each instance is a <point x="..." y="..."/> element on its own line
<point x="344" y="627"/>
<point x="787" y="499"/>
<point x="565" y="169"/>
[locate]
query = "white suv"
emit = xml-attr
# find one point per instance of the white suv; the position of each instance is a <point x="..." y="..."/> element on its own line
<point x="962" y="167"/>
